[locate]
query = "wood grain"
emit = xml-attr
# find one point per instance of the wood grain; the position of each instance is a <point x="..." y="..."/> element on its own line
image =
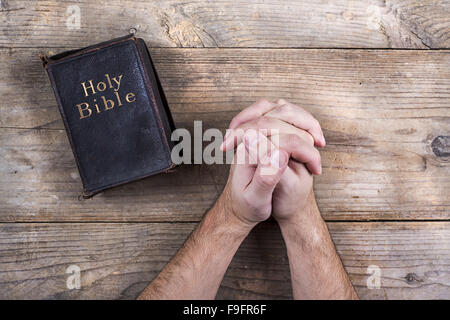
<point x="118" y="260"/>
<point x="226" y="23"/>
<point x="385" y="114"/>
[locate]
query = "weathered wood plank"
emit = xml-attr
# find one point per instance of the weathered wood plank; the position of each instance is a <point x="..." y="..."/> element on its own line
<point x="385" y="115"/>
<point x="40" y="182"/>
<point x="118" y="260"/>
<point x="377" y="85"/>
<point x="230" y="23"/>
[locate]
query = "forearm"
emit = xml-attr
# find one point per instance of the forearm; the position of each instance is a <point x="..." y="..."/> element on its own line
<point x="197" y="269"/>
<point x="316" y="269"/>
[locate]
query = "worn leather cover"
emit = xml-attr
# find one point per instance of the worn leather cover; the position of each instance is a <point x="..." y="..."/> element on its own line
<point x="114" y="110"/>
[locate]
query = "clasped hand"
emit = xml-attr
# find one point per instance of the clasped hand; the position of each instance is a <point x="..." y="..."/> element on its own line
<point x="274" y="163"/>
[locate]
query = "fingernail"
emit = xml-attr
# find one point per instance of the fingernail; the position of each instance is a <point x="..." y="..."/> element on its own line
<point x="320" y="170"/>
<point x="227" y="133"/>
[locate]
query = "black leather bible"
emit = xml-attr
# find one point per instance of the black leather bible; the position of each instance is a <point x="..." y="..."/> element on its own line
<point x="114" y="110"/>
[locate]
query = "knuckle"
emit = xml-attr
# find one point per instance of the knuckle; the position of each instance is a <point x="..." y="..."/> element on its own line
<point x="307" y="137"/>
<point x="266" y="180"/>
<point x="262" y="101"/>
<point x="315" y="123"/>
<point x="287" y="108"/>
<point x="281" y="101"/>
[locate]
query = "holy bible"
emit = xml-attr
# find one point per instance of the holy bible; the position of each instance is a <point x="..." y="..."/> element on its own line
<point x="114" y="110"/>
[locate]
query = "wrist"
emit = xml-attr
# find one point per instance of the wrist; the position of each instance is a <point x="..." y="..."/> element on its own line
<point x="223" y="215"/>
<point x="304" y="215"/>
<point x="305" y="225"/>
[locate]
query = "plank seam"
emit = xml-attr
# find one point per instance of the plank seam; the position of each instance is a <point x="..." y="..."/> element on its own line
<point x="195" y="221"/>
<point x="244" y="48"/>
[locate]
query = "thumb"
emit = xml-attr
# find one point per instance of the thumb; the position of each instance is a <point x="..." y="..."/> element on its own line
<point x="268" y="173"/>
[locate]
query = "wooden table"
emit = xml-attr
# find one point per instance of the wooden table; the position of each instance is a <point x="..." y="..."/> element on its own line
<point x="375" y="73"/>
